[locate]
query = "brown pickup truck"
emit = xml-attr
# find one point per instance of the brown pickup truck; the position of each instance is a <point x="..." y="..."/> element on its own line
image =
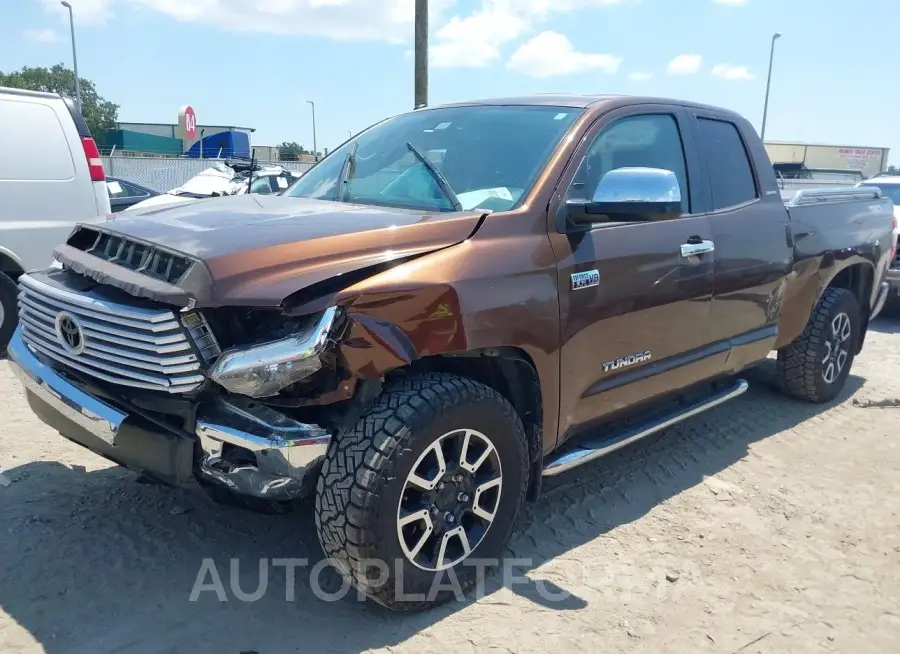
<point x="451" y="305"/>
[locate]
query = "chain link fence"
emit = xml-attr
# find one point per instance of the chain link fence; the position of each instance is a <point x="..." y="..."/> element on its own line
<point x="165" y="173"/>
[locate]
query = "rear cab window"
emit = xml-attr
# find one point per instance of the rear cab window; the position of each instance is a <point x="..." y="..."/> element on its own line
<point x="730" y="172"/>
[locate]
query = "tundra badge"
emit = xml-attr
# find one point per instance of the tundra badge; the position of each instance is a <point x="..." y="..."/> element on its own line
<point x="624" y="362"/>
<point x="585" y="279"/>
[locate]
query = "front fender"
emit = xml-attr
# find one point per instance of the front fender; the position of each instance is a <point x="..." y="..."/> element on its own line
<point x="390" y="329"/>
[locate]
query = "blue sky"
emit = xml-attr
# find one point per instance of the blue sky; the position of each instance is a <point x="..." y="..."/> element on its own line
<point x="254" y="63"/>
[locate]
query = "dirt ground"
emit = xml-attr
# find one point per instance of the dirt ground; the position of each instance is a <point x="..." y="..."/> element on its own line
<point x="766" y="525"/>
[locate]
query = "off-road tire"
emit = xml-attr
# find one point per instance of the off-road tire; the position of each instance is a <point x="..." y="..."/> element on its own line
<point x="9" y="314"/>
<point x="799" y="367"/>
<point x="359" y="488"/>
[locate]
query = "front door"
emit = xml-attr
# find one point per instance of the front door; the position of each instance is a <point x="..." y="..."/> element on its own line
<point x="634" y="304"/>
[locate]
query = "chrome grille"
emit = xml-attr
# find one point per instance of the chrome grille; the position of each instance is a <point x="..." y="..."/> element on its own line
<point x="122" y="344"/>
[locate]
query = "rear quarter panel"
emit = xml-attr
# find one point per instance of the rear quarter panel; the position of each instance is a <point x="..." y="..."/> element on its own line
<point x="828" y="238"/>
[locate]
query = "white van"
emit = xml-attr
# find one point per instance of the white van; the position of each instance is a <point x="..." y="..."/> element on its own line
<point x="51" y="177"/>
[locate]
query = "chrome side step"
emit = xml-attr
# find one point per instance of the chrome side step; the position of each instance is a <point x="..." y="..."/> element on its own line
<point x="593" y="449"/>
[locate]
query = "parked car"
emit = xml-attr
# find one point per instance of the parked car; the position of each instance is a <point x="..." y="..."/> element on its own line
<point x="124" y="194"/>
<point x="419" y="343"/>
<point x="51" y="177"/>
<point x="231" y="178"/>
<point x="889" y="185"/>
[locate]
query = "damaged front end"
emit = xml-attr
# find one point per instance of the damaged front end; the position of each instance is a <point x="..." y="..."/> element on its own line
<point x="242" y="400"/>
<point x="258" y="449"/>
<point x="213" y="342"/>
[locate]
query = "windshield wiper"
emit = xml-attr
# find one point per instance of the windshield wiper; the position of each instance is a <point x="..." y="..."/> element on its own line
<point x="346" y="173"/>
<point x="438" y="177"/>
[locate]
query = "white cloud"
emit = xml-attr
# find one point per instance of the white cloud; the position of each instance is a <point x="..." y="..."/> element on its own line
<point x="732" y="3"/>
<point x="551" y="53"/>
<point x="41" y="36"/>
<point x="372" y="20"/>
<point x="732" y="73"/>
<point x="640" y="77"/>
<point x="470" y="38"/>
<point x="685" y="64"/>
<point x="475" y="40"/>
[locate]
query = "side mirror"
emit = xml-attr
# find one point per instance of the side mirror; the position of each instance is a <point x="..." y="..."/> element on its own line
<point x="629" y="195"/>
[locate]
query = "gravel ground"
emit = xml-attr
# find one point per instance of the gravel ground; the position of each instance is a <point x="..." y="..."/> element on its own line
<point x="766" y="525"/>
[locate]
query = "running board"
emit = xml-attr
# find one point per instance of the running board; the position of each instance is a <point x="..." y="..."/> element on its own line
<point x="594" y="449"/>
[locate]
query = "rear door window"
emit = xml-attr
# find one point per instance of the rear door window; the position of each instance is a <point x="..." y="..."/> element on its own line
<point x="34" y="143"/>
<point x="730" y="172"/>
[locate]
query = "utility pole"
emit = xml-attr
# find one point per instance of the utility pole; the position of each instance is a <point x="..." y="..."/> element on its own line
<point x="762" y="132"/>
<point x="74" y="54"/>
<point x="421" y="54"/>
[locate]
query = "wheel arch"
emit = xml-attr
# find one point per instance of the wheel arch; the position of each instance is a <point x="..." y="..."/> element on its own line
<point x="10" y="264"/>
<point x="511" y="372"/>
<point x="859" y="279"/>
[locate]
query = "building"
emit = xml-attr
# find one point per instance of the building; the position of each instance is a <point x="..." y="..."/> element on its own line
<point x="818" y="161"/>
<point x="162" y="139"/>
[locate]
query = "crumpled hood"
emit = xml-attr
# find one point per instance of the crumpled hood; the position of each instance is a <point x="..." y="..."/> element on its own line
<point x="258" y="249"/>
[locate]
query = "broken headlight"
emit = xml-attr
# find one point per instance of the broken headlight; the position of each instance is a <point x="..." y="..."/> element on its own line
<point x="263" y="370"/>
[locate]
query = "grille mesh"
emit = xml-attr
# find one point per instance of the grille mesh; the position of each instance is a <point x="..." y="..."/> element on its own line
<point x="140" y="257"/>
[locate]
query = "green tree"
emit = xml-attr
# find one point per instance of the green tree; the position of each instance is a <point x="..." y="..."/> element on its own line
<point x="893" y="170"/>
<point x="99" y="113"/>
<point x="290" y="151"/>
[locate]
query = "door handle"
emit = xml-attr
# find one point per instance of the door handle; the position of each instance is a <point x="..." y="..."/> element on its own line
<point x="697" y="248"/>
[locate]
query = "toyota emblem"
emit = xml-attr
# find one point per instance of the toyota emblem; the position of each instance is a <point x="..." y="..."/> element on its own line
<point x="69" y="334"/>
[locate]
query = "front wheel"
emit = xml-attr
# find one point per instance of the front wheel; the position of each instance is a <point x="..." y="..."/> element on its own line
<point x="422" y="496"/>
<point x="815" y="367"/>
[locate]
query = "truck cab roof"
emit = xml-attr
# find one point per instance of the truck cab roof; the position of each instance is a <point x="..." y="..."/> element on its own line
<point x="581" y="101"/>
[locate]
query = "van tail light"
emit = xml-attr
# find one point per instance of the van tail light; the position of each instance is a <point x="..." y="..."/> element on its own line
<point x="95" y="163"/>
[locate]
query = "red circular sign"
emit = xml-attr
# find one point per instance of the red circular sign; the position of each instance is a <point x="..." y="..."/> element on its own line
<point x="187" y="119"/>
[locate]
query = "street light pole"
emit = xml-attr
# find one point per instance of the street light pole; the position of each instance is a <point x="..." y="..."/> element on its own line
<point x="74" y="54"/>
<point x="762" y="133"/>
<point x="315" y="147"/>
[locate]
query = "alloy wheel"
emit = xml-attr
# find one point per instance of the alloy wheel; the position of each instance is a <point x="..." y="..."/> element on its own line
<point x="449" y="500"/>
<point x="836" y="347"/>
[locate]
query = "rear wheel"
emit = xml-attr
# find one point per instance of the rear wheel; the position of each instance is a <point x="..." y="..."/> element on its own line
<point x="430" y="482"/>
<point x="8" y="310"/>
<point x="815" y="367"/>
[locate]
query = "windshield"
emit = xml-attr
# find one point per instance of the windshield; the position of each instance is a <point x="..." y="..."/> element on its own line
<point x="891" y="191"/>
<point x="489" y="155"/>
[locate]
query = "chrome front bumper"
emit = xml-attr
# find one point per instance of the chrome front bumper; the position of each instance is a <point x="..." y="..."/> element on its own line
<point x="243" y="446"/>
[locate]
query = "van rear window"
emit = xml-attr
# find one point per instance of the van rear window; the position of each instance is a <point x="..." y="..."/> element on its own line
<point x="35" y="145"/>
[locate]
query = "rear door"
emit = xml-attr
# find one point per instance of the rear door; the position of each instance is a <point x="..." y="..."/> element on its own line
<point x="750" y="229"/>
<point x="633" y="310"/>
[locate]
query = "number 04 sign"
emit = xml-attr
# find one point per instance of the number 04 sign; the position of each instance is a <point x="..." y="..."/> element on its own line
<point x="187" y="123"/>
